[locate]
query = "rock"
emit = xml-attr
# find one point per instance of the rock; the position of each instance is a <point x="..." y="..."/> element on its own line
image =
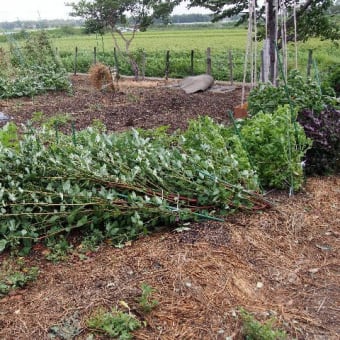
<point x="3" y="118"/>
<point x="259" y="285"/>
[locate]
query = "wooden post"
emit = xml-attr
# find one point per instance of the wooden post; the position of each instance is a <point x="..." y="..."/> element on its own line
<point x="231" y="77"/>
<point x="116" y="62"/>
<point x="143" y="64"/>
<point x="310" y="62"/>
<point x="167" y="64"/>
<point x="209" y="61"/>
<point x="192" y="62"/>
<point x="76" y="60"/>
<point x="95" y="55"/>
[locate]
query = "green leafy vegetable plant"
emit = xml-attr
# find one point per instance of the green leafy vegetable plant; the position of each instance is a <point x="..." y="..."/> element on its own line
<point x="115" y="324"/>
<point x="146" y="302"/>
<point x="255" y="330"/>
<point x="277" y="145"/>
<point x="303" y="94"/>
<point x="14" y="275"/>
<point x="9" y="135"/>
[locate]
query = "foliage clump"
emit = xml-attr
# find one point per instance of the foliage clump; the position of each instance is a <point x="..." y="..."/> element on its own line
<point x="33" y="69"/>
<point x="333" y="80"/>
<point x="255" y="330"/>
<point x="303" y="94"/>
<point x="115" y="324"/>
<point x="15" y="275"/>
<point x="324" y="129"/>
<point x="318" y="113"/>
<point x="122" y="185"/>
<point x="276" y="145"/>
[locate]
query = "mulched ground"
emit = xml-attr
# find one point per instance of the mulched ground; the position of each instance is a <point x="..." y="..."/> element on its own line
<point x="282" y="262"/>
<point x="144" y="104"/>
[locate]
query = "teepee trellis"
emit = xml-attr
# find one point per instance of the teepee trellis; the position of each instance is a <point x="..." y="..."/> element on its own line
<point x="251" y="49"/>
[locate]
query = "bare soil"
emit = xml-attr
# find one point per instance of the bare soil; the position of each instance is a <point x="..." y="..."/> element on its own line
<point x="282" y="262"/>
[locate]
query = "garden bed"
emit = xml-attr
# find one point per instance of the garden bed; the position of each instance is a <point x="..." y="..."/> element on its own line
<point x="144" y="104"/>
<point x="281" y="263"/>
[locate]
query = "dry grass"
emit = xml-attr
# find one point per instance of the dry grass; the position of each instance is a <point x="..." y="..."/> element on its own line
<point x="100" y="76"/>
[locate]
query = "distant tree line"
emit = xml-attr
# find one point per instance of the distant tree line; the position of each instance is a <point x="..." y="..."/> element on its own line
<point x="38" y="24"/>
<point x="43" y="24"/>
<point x="189" y="18"/>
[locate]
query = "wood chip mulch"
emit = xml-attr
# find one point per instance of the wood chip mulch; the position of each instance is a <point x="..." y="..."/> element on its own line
<point x="281" y="263"/>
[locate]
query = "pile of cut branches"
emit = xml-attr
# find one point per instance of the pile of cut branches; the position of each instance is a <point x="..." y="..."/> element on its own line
<point x="123" y="184"/>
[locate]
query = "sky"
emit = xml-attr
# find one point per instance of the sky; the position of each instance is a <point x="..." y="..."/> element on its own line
<point x="12" y="10"/>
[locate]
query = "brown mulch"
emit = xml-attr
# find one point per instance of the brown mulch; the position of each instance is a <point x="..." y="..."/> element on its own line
<point x="144" y="104"/>
<point x="282" y="262"/>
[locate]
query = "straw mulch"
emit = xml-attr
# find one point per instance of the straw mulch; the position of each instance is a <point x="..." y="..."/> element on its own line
<point x="281" y="263"/>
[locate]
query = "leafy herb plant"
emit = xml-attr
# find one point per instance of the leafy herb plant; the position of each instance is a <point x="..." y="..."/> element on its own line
<point x="277" y="147"/>
<point x="115" y="324"/>
<point x="33" y="69"/>
<point x="303" y="94"/>
<point x="146" y="302"/>
<point x="255" y="330"/>
<point x="14" y="275"/>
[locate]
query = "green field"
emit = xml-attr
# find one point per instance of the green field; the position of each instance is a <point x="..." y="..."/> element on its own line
<point x="180" y="43"/>
<point x="219" y="40"/>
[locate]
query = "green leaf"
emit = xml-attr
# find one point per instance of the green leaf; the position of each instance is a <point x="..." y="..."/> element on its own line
<point x="82" y="221"/>
<point x="3" y="244"/>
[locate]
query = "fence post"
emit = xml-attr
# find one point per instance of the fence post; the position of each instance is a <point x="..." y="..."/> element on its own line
<point x="310" y="61"/>
<point x="143" y="64"/>
<point x="209" y="61"/>
<point x="116" y="61"/>
<point x="76" y="60"/>
<point x="95" y="55"/>
<point x="167" y="64"/>
<point x="231" y="76"/>
<point x="192" y="62"/>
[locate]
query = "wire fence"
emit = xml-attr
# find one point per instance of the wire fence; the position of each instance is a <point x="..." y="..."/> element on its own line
<point x="225" y="66"/>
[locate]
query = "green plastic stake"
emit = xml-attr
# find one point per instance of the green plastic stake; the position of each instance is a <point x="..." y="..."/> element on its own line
<point x="56" y="132"/>
<point x="74" y="139"/>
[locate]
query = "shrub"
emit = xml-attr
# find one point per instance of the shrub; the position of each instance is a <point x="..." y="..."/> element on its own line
<point x="324" y="129"/>
<point x="33" y="69"/>
<point x="334" y="79"/>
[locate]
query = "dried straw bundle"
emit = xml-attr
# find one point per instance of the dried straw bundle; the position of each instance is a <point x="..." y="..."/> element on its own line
<point x="100" y="76"/>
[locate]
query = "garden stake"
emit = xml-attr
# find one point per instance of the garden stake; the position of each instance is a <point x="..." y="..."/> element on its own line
<point x="73" y="134"/>
<point x="56" y="132"/>
<point x="317" y="75"/>
<point x="291" y="190"/>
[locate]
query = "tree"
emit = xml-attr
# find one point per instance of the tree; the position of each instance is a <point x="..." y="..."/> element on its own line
<point x="100" y="15"/>
<point x="312" y="16"/>
<point x="335" y="9"/>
